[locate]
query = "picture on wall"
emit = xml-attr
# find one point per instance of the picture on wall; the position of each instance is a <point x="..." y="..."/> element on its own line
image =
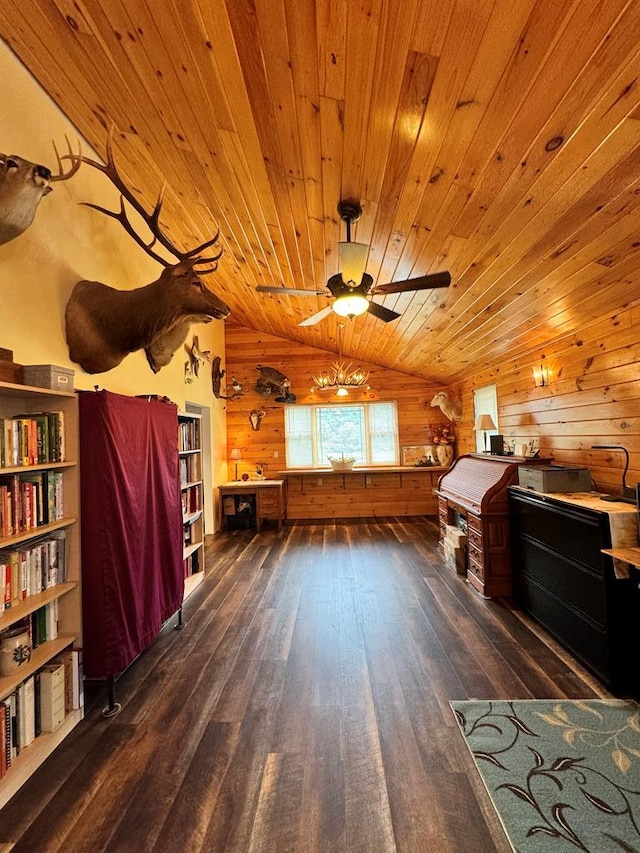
<point x="417" y="454"/>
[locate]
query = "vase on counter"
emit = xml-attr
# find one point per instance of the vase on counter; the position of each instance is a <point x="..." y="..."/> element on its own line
<point x="444" y="454"/>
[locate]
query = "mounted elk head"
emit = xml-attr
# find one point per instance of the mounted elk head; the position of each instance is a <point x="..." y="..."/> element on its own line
<point x="103" y="324"/>
<point x="22" y="185"/>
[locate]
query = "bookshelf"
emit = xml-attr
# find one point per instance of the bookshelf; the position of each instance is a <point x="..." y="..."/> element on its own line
<point x="190" y="455"/>
<point x="49" y="510"/>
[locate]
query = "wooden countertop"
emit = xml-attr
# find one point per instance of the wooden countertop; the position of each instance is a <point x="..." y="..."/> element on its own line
<point x="588" y="500"/>
<point x="398" y="469"/>
<point x="250" y="484"/>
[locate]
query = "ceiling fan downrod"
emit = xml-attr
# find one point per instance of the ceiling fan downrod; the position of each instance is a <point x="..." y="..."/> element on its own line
<point x="349" y="211"/>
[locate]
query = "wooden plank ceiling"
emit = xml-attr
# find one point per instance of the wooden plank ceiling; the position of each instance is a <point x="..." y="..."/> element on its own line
<point x="499" y="140"/>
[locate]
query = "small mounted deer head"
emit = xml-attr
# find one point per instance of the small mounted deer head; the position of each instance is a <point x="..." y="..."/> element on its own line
<point x="255" y="418"/>
<point x="103" y="325"/>
<point x="22" y="185"/>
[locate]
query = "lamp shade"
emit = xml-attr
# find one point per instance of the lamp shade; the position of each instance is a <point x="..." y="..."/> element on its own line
<point x="235" y="454"/>
<point x="484" y="422"/>
<point x="353" y="260"/>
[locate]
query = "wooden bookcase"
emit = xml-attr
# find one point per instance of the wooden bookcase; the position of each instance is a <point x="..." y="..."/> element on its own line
<point x="19" y="400"/>
<point x="190" y="451"/>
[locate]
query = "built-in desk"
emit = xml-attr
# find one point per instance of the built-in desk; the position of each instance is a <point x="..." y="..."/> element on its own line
<point x="247" y="503"/>
<point x="361" y="492"/>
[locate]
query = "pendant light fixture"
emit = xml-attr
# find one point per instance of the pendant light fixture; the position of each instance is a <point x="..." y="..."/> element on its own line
<point x="341" y="377"/>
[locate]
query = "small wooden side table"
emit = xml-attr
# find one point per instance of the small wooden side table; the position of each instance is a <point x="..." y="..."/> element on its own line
<point x="262" y="499"/>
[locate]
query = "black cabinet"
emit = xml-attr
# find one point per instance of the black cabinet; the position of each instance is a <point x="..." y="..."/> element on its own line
<point x="565" y="583"/>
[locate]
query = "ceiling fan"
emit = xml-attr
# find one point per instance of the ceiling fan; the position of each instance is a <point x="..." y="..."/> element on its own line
<point x="352" y="288"/>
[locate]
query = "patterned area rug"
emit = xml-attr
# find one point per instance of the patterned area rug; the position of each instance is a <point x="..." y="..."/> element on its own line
<point x="563" y="775"/>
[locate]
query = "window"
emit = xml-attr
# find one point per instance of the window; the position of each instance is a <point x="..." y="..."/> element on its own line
<point x="366" y="431"/>
<point x="485" y="402"/>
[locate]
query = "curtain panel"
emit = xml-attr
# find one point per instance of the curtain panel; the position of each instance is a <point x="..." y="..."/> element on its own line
<point x="131" y="526"/>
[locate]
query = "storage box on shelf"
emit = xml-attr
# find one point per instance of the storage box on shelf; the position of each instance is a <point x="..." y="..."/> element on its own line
<point x="190" y="450"/>
<point x="39" y="568"/>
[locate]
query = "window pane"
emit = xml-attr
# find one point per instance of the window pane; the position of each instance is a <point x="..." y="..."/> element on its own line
<point x="340" y="430"/>
<point x="299" y="432"/>
<point x="485" y="402"/>
<point x="366" y="431"/>
<point x="383" y="433"/>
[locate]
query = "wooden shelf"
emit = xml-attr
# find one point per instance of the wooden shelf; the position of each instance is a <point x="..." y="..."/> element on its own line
<point x="42" y="466"/>
<point x="39" y="656"/>
<point x="191" y="517"/>
<point x="627" y="555"/>
<point x="190" y="549"/>
<point x="192" y="582"/>
<point x="35" y="532"/>
<point x="33" y="603"/>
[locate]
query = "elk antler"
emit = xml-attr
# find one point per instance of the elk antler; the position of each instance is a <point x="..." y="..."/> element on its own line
<point x="76" y="161"/>
<point x="152" y="219"/>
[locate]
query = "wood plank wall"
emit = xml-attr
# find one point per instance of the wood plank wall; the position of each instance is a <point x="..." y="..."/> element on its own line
<point x="593" y="398"/>
<point x="247" y="348"/>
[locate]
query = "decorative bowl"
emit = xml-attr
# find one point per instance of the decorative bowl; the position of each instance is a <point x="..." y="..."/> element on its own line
<point x="342" y="464"/>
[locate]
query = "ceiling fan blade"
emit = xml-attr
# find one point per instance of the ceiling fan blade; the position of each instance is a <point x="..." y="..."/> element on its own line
<point x="422" y="282"/>
<point x="382" y="313"/>
<point x="290" y="291"/>
<point x="315" y="318"/>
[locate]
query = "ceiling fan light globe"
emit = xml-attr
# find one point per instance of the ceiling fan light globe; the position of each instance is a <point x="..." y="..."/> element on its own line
<point x="351" y="305"/>
<point x="353" y="261"/>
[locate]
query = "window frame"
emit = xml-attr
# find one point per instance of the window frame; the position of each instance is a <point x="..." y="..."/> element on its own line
<point x="367" y="407"/>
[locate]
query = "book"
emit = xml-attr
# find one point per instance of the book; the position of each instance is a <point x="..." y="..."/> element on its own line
<point x="37" y="711"/>
<point x="3" y="734"/>
<point x="71" y="659"/>
<point x="11" y="702"/>
<point x="29" y="711"/>
<point x="52" y="696"/>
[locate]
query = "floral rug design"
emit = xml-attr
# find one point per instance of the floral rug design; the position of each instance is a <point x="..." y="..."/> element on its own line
<point x="563" y="775"/>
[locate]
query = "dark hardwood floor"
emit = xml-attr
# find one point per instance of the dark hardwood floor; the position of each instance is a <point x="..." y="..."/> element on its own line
<point x="303" y="707"/>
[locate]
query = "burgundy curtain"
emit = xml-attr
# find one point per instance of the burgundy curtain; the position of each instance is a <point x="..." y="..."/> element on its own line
<point x="131" y="524"/>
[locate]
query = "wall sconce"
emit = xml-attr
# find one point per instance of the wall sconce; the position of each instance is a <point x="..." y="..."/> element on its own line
<point x="484" y="423"/>
<point x="541" y="376"/>
<point x="235" y="456"/>
<point x="628" y="494"/>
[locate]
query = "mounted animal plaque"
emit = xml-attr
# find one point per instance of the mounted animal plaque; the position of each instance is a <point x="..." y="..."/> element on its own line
<point x="103" y="325"/>
<point x="272" y="381"/>
<point x="22" y="185"/>
<point x="449" y="406"/>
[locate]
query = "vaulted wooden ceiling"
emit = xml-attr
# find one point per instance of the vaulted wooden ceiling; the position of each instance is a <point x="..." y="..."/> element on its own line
<point x="497" y="139"/>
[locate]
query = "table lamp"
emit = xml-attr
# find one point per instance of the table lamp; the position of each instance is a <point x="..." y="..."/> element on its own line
<point x="628" y="493"/>
<point x="236" y="456"/>
<point x="484" y="423"/>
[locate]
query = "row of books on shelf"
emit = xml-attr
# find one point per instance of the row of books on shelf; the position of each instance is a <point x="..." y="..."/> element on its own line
<point x="28" y="570"/>
<point x="189" y="536"/>
<point x="191" y="565"/>
<point x="30" y="500"/>
<point x="191" y="500"/>
<point x="32" y="439"/>
<point x="39" y="705"/>
<point x="189" y="435"/>
<point x="189" y="469"/>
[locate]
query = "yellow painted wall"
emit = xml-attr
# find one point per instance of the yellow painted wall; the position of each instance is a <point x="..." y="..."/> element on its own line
<point x="68" y="242"/>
